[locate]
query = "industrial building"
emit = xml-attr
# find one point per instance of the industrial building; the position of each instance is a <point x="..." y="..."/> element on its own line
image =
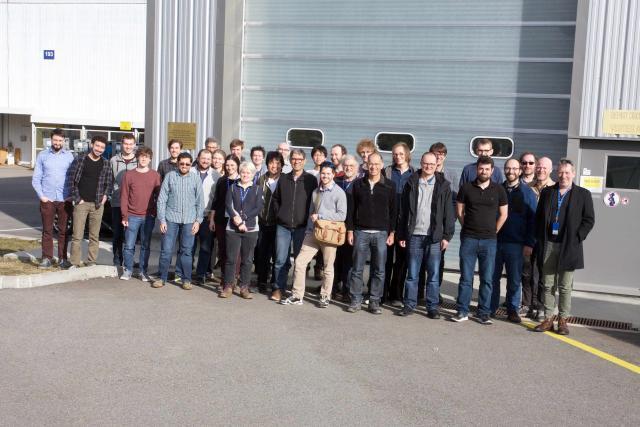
<point x="556" y="77"/>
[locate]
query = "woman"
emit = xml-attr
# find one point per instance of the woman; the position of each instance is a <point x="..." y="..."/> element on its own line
<point x="217" y="161"/>
<point x="217" y="217"/>
<point x="243" y="204"/>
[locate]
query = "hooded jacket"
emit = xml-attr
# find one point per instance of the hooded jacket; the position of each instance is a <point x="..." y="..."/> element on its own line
<point x="290" y="202"/>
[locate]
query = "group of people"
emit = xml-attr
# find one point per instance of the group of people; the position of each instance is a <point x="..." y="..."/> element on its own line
<point x="233" y="211"/>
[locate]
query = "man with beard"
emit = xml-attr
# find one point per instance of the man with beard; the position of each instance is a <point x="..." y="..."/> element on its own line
<point x="482" y="211"/>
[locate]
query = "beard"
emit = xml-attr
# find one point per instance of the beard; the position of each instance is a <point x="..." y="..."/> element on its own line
<point x="483" y="179"/>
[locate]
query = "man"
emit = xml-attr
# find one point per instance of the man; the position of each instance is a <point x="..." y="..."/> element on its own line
<point x="426" y="226"/>
<point x="484" y="147"/>
<point x="120" y="164"/>
<point x="365" y="148"/>
<point x="528" y="165"/>
<point x="564" y="219"/>
<point x="329" y="202"/>
<point x="211" y="144"/>
<point x="237" y="147"/>
<point x="398" y="173"/>
<point x="532" y="285"/>
<point x="482" y="210"/>
<point x="180" y="213"/>
<point x="91" y="182"/>
<point x="139" y="192"/>
<point x="49" y="182"/>
<point x="515" y="240"/>
<point x="257" y="158"/>
<point x="371" y="218"/>
<point x="319" y="156"/>
<point x="344" y="255"/>
<point x="338" y="151"/>
<point x="291" y="201"/>
<point x="170" y="164"/>
<point x="208" y="178"/>
<point x="267" y="222"/>
<point x="284" y="148"/>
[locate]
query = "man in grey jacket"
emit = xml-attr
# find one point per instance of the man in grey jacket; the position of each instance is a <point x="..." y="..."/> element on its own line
<point x="122" y="162"/>
<point x="329" y="202"/>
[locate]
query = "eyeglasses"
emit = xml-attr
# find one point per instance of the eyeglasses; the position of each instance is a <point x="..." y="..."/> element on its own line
<point x="428" y="164"/>
<point x="184" y="164"/>
<point x="528" y="163"/>
<point x="297" y="159"/>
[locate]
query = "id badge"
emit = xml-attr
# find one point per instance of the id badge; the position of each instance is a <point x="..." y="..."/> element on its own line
<point x="555" y="228"/>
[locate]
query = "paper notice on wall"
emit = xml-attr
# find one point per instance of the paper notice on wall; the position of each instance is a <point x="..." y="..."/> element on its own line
<point x="595" y="184"/>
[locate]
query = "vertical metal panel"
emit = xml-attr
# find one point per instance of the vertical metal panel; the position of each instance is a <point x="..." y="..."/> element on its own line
<point x="4" y="56"/>
<point x="612" y="63"/>
<point x="183" y="69"/>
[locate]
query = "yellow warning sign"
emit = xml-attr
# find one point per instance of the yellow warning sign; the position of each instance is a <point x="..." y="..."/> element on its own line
<point x="125" y="125"/>
<point x="621" y="122"/>
<point x="592" y="183"/>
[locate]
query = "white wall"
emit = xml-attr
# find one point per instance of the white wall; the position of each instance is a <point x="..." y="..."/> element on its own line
<point x="98" y="74"/>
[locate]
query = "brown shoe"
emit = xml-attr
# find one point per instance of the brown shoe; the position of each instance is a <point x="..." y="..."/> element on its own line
<point x="513" y="317"/>
<point x="276" y="295"/>
<point x="244" y="293"/>
<point x="546" y="325"/>
<point x="226" y="292"/>
<point x="157" y="283"/>
<point x="563" y="329"/>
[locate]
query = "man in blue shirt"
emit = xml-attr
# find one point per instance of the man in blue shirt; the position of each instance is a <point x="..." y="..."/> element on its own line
<point x="484" y="147"/>
<point x="49" y="182"/>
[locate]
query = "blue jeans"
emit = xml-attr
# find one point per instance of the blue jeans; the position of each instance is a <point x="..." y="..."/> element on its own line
<point x="484" y="250"/>
<point x="363" y="245"/>
<point x="510" y="255"/>
<point x="423" y="250"/>
<point x="144" y="226"/>
<point x="118" y="237"/>
<point x="184" y="257"/>
<point x="205" y="238"/>
<point x="284" y="237"/>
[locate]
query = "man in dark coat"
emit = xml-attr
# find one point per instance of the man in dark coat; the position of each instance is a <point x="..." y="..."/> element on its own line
<point x="564" y="218"/>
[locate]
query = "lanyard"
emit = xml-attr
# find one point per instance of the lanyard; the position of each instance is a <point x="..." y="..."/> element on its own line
<point x="243" y="195"/>
<point x="560" y="200"/>
<point x="346" y="185"/>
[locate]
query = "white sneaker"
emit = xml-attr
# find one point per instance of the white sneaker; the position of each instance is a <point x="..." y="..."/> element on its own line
<point x="126" y="275"/>
<point x="292" y="300"/>
<point x="145" y="277"/>
<point x="460" y="318"/>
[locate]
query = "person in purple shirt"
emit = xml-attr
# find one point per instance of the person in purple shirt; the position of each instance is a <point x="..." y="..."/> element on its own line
<point x="50" y="183"/>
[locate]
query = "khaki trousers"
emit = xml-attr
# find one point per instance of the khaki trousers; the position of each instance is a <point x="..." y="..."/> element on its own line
<point x="80" y="214"/>
<point x="310" y="246"/>
<point x="556" y="279"/>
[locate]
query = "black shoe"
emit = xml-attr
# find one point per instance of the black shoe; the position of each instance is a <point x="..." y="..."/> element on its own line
<point x="433" y="314"/>
<point x="404" y="312"/>
<point x="513" y="317"/>
<point x="374" y="307"/>
<point x="484" y="319"/>
<point x="353" y="308"/>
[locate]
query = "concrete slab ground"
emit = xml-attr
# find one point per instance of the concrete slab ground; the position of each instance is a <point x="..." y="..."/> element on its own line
<point x="112" y="352"/>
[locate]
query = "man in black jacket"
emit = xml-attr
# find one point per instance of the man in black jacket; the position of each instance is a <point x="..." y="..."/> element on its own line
<point x="427" y="224"/>
<point x="564" y="218"/>
<point x="370" y="229"/>
<point x="290" y="202"/>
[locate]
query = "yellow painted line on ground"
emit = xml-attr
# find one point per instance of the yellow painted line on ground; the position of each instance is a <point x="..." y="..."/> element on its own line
<point x="584" y="347"/>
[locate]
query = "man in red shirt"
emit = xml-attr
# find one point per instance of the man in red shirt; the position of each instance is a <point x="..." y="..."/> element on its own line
<point x="138" y="194"/>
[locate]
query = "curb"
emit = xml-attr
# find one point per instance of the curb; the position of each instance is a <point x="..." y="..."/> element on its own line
<point x="56" y="277"/>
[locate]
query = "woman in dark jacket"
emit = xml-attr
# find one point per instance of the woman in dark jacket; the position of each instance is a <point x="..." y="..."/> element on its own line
<point x="243" y="204"/>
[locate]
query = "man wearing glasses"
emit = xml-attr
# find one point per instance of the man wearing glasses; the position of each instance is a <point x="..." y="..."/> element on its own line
<point x="484" y="147"/>
<point x="180" y="213"/>
<point x="528" y="165"/>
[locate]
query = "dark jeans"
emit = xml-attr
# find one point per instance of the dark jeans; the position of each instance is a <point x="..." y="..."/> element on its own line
<point x="510" y="256"/>
<point x="396" y="272"/>
<point x="363" y="245"/>
<point x="265" y="263"/>
<point x="205" y="238"/>
<point x="117" y="242"/>
<point x="242" y="244"/>
<point x="423" y="252"/>
<point x="483" y="250"/>
<point x="221" y="235"/>
<point x="144" y="226"/>
<point x="532" y="284"/>
<point x="48" y="212"/>
<point x="184" y="258"/>
<point x="342" y="269"/>
<point x="284" y="238"/>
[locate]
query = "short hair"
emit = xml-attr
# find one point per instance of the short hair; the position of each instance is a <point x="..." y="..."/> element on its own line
<point x="274" y="155"/>
<point x="258" y="148"/>
<point x="320" y="148"/>
<point x="297" y="151"/>
<point x="174" y="141"/>
<point x="98" y="138"/>
<point x="210" y="139"/>
<point x="127" y="136"/>
<point x="405" y="148"/>
<point x="349" y="157"/>
<point x="527" y="153"/>
<point x="185" y="155"/>
<point x="247" y="166"/>
<point x="366" y="143"/>
<point x="234" y="158"/>
<point x="219" y="151"/>
<point x="375" y="153"/>
<point x="236" y="142"/>
<point x="57" y="132"/>
<point x="342" y="148"/>
<point x="144" y="151"/>
<point x="484" y="141"/>
<point x="438" y="147"/>
<point x="204" y="151"/>
<point x="288" y="144"/>
<point x="327" y="164"/>
<point x="484" y="160"/>
<point x="564" y="161"/>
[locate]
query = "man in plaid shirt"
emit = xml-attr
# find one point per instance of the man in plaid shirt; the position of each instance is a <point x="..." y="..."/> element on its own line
<point x="91" y="180"/>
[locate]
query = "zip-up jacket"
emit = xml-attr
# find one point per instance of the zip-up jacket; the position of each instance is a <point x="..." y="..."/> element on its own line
<point x="443" y="219"/>
<point x="521" y="222"/>
<point x="290" y="202"/>
<point x="119" y="167"/>
<point x="372" y="209"/>
<point x="218" y="204"/>
<point x="267" y="216"/>
<point x="247" y="208"/>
